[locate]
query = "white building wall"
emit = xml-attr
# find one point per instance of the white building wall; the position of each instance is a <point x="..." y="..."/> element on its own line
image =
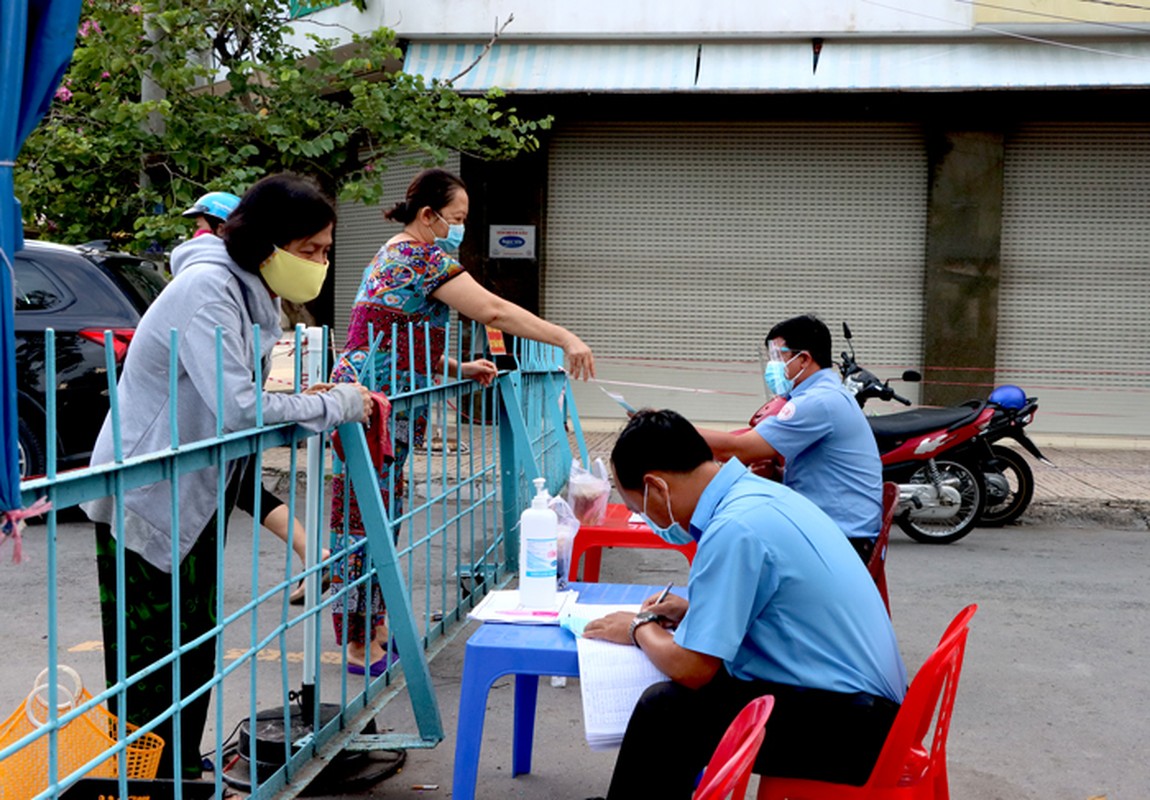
<point x="608" y="19"/>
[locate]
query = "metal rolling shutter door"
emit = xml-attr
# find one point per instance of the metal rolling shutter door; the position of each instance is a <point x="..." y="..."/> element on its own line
<point x="1076" y="275"/>
<point x="360" y="233"/>
<point x="672" y="248"/>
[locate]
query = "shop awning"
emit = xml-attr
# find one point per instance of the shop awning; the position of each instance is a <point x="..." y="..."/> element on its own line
<point x="957" y="64"/>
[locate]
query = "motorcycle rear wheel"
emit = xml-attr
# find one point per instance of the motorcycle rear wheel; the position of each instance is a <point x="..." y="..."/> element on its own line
<point x="966" y="516"/>
<point x="1021" y="479"/>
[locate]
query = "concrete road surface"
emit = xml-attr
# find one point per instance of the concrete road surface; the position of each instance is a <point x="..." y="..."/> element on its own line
<point x="1051" y="705"/>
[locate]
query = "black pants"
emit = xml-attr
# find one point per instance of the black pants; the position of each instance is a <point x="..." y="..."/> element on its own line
<point x="863" y="546"/>
<point x="247" y="483"/>
<point x="811" y="734"/>
<point x="148" y="627"/>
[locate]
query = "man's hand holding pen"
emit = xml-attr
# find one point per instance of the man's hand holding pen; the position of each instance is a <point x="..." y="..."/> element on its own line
<point x="619" y="626"/>
<point x="669" y="606"/>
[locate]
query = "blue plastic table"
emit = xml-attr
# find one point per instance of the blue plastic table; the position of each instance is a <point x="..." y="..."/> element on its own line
<point x="525" y="651"/>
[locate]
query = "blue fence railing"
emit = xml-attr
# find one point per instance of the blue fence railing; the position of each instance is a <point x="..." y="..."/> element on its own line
<point x="446" y="535"/>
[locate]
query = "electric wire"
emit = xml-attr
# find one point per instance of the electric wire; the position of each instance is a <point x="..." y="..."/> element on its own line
<point x="1047" y="15"/>
<point x="1012" y="34"/>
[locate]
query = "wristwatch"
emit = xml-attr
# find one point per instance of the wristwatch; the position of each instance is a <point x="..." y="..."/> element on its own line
<point x="642" y="618"/>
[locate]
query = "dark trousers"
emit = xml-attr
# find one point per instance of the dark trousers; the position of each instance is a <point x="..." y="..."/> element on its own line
<point x="148" y="629"/>
<point x="863" y="546"/>
<point x="810" y="734"/>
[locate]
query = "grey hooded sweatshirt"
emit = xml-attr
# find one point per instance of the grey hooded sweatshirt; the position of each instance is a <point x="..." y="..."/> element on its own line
<point x="211" y="290"/>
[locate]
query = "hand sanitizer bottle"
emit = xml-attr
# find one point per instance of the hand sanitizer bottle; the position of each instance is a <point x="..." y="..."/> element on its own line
<point x="538" y="549"/>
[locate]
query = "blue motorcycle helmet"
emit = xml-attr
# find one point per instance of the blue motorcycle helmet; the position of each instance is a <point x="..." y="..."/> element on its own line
<point x="1008" y="396"/>
<point x="215" y="206"/>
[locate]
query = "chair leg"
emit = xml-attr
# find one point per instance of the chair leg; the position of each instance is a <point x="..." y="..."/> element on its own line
<point x="469" y="734"/>
<point x="526" y="693"/>
<point x="591" y="564"/>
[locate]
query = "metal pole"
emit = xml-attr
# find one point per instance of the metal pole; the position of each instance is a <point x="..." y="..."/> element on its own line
<point x="314" y="495"/>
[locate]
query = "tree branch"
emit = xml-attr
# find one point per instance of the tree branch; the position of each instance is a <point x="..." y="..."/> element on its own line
<point x="486" y="48"/>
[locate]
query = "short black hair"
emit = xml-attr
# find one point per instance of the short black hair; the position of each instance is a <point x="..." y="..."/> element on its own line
<point x="806" y="332"/>
<point x="276" y="210"/>
<point x="657" y="440"/>
<point x="433" y="188"/>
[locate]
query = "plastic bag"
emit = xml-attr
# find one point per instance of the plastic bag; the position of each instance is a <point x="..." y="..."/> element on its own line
<point x="568" y="527"/>
<point x="588" y="492"/>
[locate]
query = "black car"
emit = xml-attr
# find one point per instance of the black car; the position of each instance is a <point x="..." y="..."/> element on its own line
<point x="79" y="292"/>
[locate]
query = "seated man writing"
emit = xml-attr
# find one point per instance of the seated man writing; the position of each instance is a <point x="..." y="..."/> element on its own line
<point x="830" y="452"/>
<point x="777" y="603"/>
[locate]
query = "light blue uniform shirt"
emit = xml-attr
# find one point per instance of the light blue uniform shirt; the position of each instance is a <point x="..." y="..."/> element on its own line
<point x="779" y="595"/>
<point x="831" y="454"/>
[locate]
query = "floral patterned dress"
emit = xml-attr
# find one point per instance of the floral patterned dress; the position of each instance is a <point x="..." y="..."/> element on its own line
<point x="396" y="290"/>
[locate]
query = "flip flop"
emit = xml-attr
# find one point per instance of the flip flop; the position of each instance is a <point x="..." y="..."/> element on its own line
<point x="296" y="598"/>
<point x="378" y="667"/>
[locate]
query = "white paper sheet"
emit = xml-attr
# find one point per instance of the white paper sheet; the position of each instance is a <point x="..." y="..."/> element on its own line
<point x="612" y="678"/>
<point x="503" y="606"/>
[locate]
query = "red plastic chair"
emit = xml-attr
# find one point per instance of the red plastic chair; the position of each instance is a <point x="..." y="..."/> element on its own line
<point x="877" y="564"/>
<point x="909" y="767"/>
<point x="729" y="770"/>
<point x="616" y="531"/>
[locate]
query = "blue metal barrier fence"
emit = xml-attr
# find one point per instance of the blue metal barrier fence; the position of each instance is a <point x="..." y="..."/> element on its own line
<point x="449" y="537"/>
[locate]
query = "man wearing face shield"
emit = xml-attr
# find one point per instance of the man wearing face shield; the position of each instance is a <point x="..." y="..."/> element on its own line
<point x="820" y="434"/>
<point x="776" y="603"/>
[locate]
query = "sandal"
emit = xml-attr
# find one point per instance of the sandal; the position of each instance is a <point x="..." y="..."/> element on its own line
<point x="297" y="595"/>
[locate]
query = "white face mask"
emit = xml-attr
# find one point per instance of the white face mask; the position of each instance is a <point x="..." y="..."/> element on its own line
<point x="293" y="278"/>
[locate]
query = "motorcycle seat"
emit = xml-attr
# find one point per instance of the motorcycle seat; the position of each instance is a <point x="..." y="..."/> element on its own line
<point x="905" y="424"/>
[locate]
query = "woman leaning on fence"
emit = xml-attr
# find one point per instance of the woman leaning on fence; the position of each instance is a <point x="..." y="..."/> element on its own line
<point x="273" y="245"/>
<point x="416" y="278"/>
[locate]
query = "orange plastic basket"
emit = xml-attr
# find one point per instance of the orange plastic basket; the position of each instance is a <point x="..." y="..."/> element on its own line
<point x="24" y="774"/>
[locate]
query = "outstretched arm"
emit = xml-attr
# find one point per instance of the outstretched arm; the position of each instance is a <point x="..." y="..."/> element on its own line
<point x="465" y="295"/>
<point x="749" y="447"/>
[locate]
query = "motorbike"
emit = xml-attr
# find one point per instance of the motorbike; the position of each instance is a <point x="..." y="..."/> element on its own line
<point x="1007" y="481"/>
<point x="951" y="474"/>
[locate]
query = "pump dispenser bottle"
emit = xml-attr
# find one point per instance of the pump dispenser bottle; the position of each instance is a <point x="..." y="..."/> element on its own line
<point x="538" y="548"/>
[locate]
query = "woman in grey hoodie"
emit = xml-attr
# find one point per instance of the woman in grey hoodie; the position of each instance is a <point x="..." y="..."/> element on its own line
<point x="274" y="244"/>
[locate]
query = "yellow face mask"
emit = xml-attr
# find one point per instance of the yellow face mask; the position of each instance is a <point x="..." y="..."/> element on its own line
<point x="293" y="278"/>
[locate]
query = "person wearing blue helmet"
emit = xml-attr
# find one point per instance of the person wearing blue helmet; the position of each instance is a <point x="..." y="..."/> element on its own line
<point x="211" y="210"/>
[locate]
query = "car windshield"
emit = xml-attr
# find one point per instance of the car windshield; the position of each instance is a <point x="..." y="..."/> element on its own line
<point x="139" y="279"/>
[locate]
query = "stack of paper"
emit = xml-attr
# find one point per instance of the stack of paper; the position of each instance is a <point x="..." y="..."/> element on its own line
<point x="504" y="606"/>
<point x="612" y="678"/>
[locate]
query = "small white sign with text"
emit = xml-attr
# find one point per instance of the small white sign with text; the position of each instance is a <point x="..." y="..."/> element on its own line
<point x="512" y="241"/>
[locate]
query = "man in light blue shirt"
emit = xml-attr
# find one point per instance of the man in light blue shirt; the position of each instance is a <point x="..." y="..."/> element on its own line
<point x="777" y="603"/>
<point x="821" y="433"/>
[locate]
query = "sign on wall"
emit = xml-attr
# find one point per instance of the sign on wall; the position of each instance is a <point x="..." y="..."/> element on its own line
<point x="511" y="241"/>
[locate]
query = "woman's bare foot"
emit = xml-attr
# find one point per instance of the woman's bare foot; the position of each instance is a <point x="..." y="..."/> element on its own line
<point x="355" y="654"/>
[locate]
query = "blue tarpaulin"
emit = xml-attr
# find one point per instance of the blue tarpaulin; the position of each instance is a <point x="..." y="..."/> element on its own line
<point x="36" y="41"/>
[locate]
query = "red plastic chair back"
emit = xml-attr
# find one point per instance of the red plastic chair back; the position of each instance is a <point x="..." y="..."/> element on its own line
<point x="911" y="765"/>
<point x="877" y="564"/>
<point x="729" y="770"/>
<point x="905" y="759"/>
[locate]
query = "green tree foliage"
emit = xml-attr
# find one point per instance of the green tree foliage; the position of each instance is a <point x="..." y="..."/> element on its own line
<point x="238" y="101"/>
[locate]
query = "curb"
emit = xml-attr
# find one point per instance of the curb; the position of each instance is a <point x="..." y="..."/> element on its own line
<point x="1114" y="514"/>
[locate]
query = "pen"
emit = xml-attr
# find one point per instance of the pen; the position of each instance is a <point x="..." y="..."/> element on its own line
<point x="663" y="595"/>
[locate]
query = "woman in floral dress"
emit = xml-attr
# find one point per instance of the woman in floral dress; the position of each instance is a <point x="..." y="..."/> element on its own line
<point x="415" y="278"/>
